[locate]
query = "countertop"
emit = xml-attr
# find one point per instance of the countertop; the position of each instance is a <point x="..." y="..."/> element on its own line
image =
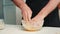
<point x="16" y="29"/>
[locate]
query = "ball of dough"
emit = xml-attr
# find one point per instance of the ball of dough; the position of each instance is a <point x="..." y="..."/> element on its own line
<point x="31" y="27"/>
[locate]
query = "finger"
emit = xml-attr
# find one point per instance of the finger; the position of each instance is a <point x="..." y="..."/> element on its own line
<point x="24" y="15"/>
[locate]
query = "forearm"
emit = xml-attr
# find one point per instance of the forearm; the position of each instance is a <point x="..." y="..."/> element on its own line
<point x="48" y="9"/>
<point x="21" y="4"/>
<point x="18" y="3"/>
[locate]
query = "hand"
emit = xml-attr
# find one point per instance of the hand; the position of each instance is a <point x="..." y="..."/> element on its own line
<point x="36" y="22"/>
<point x="29" y="13"/>
<point x="26" y="15"/>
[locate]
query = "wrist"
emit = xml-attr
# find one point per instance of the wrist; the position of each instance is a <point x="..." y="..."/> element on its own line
<point x="40" y="16"/>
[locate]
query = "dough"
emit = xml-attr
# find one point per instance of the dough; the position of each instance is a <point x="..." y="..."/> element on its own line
<point x="31" y="27"/>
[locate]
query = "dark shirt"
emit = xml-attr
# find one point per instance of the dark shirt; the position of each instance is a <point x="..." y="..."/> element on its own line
<point x="52" y="19"/>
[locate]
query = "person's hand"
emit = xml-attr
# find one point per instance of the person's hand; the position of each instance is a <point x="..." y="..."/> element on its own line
<point x="37" y="22"/>
<point x="29" y="14"/>
<point x="26" y="15"/>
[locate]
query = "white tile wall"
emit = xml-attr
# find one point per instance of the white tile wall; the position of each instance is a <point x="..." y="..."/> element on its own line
<point x="9" y="12"/>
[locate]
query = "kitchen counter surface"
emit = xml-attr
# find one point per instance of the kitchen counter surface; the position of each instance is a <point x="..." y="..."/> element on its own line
<point x="16" y="29"/>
